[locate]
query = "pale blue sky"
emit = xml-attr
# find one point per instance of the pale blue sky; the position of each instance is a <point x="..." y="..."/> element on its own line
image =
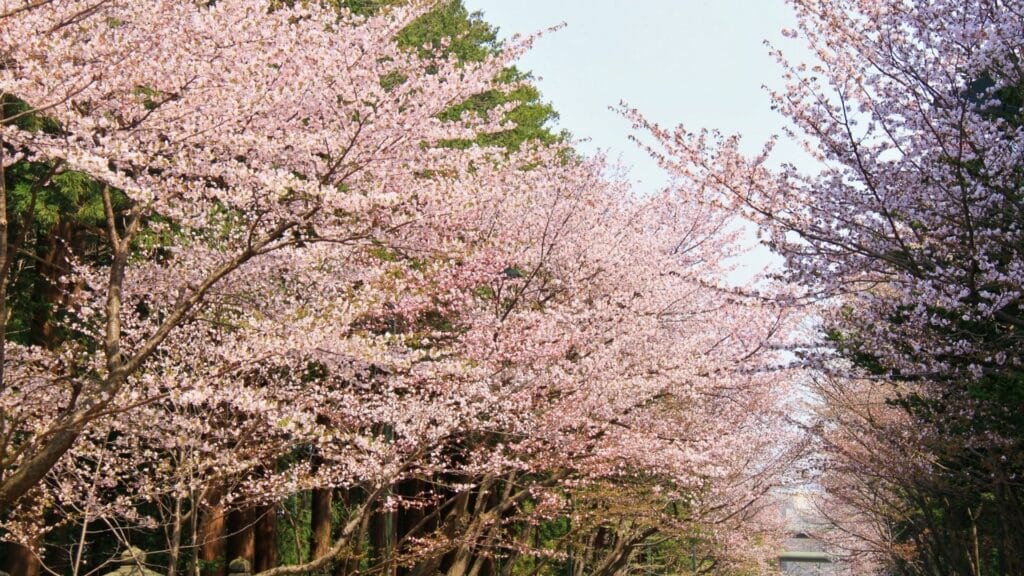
<point x="697" y="62"/>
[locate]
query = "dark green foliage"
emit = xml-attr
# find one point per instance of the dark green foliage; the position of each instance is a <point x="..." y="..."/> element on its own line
<point x="17" y="112"/>
<point x="531" y="117"/>
<point x="52" y="213"/>
<point x="471" y="39"/>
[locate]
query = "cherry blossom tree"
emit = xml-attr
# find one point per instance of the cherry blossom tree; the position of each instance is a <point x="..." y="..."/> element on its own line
<point x="297" y="285"/>
<point x="507" y="342"/>
<point x="236" y="130"/>
<point x="909" y="236"/>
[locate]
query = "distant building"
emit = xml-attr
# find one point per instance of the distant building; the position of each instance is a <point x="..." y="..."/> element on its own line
<point x="803" y="555"/>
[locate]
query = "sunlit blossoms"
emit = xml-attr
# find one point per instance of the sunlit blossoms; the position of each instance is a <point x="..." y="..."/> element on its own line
<point x="297" y="285"/>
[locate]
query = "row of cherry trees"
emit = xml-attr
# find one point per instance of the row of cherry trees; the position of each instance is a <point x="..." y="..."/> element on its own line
<point x="909" y="240"/>
<point x="287" y="282"/>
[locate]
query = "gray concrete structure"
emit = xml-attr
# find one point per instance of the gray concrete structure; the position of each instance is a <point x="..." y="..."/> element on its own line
<point x="803" y="554"/>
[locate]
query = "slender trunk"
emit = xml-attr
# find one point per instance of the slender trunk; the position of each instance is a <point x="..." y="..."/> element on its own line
<point x="320" y="523"/>
<point x="193" y="569"/>
<point x="618" y="558"/>
<point x="448" y="529"/>
<point x="350" y="564"/>
<point x="483" y="564"/>
<point x="381" y="531"/>
<point x="461" y="563"/>
<point x="4" y="258"/>
<point x="356" y="523"/>
<point x="76" y="563"/>
<point x="408" y="517"/>
<point x="174" y="548"/>
<point x="523" y="540"/>
<point x="84" y="531"/>
<point x="584" y="558"/>
<point x="976" y="552"/>
<point x="46" y="289"/>
<point x="494" y="499"/>
<point x="299" y="505"/>
<point x="266" y="539"/>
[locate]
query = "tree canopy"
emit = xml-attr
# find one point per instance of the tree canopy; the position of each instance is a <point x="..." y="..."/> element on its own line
<point x="319" y="288"/>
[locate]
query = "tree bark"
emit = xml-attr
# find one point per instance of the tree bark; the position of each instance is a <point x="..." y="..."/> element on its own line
<point x="618" y="558"/>
<point x="17" y="560"/>
<point x="5" y="258"/>
<point x="266" y="539"/>
<point x="381" y="534"/>
<point x="356" y="522"/>
<point x="320" y="523"/>
<point x="448" y="529"/>
<point x="27" y="475"/>
<point x="242" y="535"/>
<point x="213" y="552"/>
<point x="174" y="547"/>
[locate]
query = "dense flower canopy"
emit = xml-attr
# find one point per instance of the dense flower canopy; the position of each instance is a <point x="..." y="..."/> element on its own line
<point x="267" y="291"/>
<point x="297" y="283"/>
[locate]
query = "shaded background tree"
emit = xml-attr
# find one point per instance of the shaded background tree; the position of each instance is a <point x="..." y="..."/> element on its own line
<point x="909" y="237"/>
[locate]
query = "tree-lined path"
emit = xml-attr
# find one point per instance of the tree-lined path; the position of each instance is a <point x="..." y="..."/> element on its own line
<point x="320" y="287"/>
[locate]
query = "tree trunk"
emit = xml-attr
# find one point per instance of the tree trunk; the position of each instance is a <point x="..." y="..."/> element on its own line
<point x="410" y="516"/>
<point x="381" y="540"/>
<point x="320" y="523"/>
<point x="242" y="535"/>
<point x="174" y="548"/>
<point x="266" y="539"/>
<point x="31" y="472"/>
<point x="618" y="558"/>
<point x="212" y="555"/>
<point x="449" y="527"/>
<point x="17" y="560"/>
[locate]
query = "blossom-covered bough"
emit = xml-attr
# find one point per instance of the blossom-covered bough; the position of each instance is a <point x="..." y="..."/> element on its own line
<point x="294" y="285"/>
<point x="228" y="117"/>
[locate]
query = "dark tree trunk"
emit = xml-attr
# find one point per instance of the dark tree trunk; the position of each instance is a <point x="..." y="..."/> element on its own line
<point x="381" y="540"/>
<point x="213" y="551"/>
<point x="320" y="523"/>
<point x="266" y="539"/>
<point x="18" y="560"/>
<point x="242" y="535"/>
